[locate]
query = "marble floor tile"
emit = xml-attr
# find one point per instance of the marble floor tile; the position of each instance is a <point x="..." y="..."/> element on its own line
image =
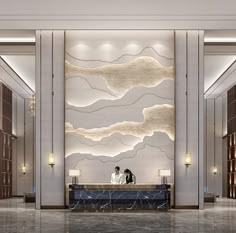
<point x="17" y="217"/>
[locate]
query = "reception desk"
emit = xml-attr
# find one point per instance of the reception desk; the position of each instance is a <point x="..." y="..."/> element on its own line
<point x="131" y="197"/>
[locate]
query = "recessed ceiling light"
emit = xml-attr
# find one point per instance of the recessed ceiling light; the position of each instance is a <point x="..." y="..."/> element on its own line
<point x="17" y="39"/>
<point x="220" y="39"/>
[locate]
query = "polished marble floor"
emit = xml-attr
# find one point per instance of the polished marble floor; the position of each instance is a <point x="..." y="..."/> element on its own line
<point x="17" y="217"/>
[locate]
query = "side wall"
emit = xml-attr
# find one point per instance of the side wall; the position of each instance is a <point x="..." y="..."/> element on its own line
<point x="216" y="145"/>
<point x="23" y="147"/>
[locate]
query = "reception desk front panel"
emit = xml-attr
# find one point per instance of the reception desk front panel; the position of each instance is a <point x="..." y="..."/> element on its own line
<point x="119" y="197"/>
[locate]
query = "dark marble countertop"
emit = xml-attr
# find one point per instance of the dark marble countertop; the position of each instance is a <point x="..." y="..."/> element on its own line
<point x="139" y="187"/>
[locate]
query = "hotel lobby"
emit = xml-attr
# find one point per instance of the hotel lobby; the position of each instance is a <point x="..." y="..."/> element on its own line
<point x="117" y="116"/>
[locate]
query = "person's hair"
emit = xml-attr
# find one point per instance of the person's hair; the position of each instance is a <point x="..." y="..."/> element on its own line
<point x="128" y="171"/>
<point x="117" y="168"/>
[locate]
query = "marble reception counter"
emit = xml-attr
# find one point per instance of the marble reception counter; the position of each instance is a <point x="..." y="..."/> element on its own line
<point x="106" y="197"/>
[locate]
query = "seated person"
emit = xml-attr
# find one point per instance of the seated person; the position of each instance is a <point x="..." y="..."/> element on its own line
<point x="117" y="177"/>
<point x="130" y="177"/>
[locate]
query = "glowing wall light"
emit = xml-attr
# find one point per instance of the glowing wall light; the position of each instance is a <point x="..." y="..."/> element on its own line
<point x="215" y="170"/>
<point x="187" y="160"/>
<point x="23" y="169"/>
<point x="32" y="105"/>
<point x="51" y="159"/>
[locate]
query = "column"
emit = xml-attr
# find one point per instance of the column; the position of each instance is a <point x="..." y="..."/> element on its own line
<point x="189" y="119"/>
<point x="49" y="118"/>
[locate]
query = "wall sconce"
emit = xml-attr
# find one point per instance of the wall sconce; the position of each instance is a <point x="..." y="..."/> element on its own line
<point x="51" y="159"/>
<point x="32" y="105"/>
<point x="74" y="174"/>
<point x="187" y="160"/>
<point x="164" y="173"/>
<point x="215" y="170"/>
<point x="23" y="169"/>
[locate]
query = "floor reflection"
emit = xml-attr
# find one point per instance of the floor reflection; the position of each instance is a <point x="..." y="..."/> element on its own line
<point x="17" y="217"/>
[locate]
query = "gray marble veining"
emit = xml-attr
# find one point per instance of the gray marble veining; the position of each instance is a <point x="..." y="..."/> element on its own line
<point x="119" y="199"/>
<point x="17" y="217"/>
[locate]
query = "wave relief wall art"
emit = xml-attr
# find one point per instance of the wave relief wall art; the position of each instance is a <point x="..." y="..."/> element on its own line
<point x="119" y="104"/>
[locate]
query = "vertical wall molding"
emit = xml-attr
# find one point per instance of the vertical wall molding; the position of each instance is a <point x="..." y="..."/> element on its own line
<point x="180" y="114"/>
<point x="24" y="132"/>
<point x="214" y="146"/>
<point x="218" y="146"/>
<point x="52" y="95"/>
<point x="201" y="134"/>
<point x="186" y="91"/>
<point x="38" y="120"/>
<point x="214" y="134"/>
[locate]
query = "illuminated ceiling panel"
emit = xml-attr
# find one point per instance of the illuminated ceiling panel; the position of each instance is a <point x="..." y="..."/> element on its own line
<point x="24" y="66"/>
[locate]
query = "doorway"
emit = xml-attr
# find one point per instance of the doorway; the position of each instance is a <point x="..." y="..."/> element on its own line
<point x="17" y="85"/>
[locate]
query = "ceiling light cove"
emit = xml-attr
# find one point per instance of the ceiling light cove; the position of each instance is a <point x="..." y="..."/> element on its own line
<point x="17" y="39"/>
<point x="220" y="40"/>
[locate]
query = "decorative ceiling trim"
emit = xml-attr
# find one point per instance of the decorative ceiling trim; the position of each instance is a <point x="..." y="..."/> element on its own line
<point x="209" y="93"/>
<point x="26" y="90"/>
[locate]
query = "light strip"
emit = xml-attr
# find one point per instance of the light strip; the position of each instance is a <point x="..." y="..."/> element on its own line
<point x="17" y="39"/>
<point x="220" y="39"/>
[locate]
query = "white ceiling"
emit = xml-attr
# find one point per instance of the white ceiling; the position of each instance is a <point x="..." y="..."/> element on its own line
<point x="12" y="80"/>
<point x="17" y="49"/>
<point x="214" y="67"/>
<point x="220" y="55"/>
<point x="24" y="66"/>
<point x="224" y="83"/>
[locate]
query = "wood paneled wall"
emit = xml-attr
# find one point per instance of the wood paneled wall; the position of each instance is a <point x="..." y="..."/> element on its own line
<point x="6" y="143"/>
<point x="231" y="121"/>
